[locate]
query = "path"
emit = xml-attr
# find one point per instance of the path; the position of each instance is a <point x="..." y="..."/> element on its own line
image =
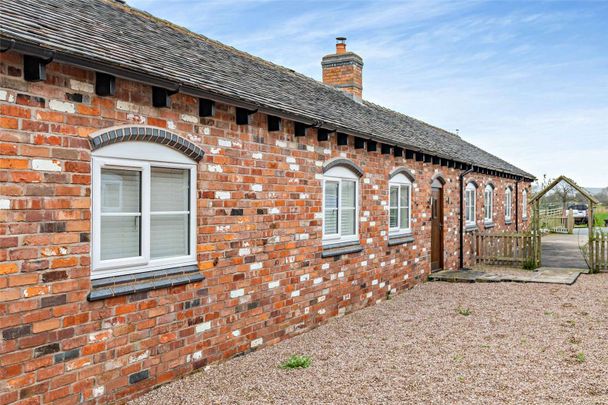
<point x="563" y="251"/>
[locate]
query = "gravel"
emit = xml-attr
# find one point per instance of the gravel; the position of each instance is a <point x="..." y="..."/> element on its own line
<point x="521" y="343"/>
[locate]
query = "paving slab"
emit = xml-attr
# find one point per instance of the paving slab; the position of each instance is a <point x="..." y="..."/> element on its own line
<point x="548" y="275"/>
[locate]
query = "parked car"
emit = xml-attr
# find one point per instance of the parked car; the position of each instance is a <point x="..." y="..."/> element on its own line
<point x="580" y="213"/>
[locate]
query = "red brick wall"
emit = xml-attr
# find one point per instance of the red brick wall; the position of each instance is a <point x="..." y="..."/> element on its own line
<point x="349" y="77"/>
<point x="57" y="346"/>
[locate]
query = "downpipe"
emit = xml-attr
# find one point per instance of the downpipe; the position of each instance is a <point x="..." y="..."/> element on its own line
<point x="461" y="185"/>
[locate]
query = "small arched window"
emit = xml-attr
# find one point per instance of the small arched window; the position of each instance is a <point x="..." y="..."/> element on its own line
<point x="524" y="204"/>
<point x="469" y="198"/>
<point x="400" y="197"/>
<point x="144" y="208"/>
<point x="508" y="204"/>
<point x="488" y="202"/>
<point x="340" y="202"/>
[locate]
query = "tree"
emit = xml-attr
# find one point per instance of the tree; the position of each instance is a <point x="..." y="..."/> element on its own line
<point x="564" y="191"/>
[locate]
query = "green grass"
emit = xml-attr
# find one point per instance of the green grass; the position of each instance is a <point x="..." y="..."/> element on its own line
<point x="600" y="217"/>
<point x="296" y="361"/>
<point x="580" y="357"/>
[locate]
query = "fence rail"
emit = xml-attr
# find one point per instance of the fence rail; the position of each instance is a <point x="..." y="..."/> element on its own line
<point x="510" y="249"/>
<point x="600" y="251"/>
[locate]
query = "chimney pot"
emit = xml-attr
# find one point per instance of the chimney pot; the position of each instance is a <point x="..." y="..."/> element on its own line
<point x="340" y="45"/>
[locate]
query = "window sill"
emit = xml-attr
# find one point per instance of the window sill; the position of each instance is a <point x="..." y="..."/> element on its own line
<point x="338" y="249"/>
<point x="488" y="225"/>
<point x="394" y="240"/>
<point x="470" y="228"/>
<point x="116" y="286"/>
<point x="525" y="219"/>
<point x="508" y="222"/>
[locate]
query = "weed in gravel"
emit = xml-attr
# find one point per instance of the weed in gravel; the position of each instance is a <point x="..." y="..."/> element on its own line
<point x="574" y="340"/>
<point x="458" y="358"/>
<point x="460" y="378"/>
<point x="549" y="313"/>
<point x="580" y="357"/>
<point x="571" y="323"/>
<point x="296" y="361"/>
<point x="464" y="311"/>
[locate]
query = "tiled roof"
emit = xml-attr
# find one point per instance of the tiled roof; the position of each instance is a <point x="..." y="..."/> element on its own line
<point x="115" y="35"/>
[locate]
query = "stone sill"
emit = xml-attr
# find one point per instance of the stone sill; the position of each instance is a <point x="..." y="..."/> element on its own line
<point x="395" y="240"/>
<point x="489" y="225"/>
<point x="339" y="249"/>
<point x="117" y="286"/>
<point x="508" y="222"/>
<point x="470" y="228"/>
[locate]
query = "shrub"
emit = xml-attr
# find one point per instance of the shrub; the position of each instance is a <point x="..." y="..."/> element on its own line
<point x="296" y="361"/>
<point x="529" y="264"/>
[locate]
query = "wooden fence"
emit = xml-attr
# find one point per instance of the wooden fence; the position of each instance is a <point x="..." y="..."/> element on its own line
<point x="510" y="249"/>
<point x="599" y="253"/>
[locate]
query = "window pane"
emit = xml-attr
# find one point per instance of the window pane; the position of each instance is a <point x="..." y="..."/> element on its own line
<point x="169" y="235"/>
<point x="120" y="190"/>
<point x="405" y="223"/>
<point x="120" y="237"/>
<point x="405" y="196"/>
<point x="394" y="192"/>
<point x="331" y="221"/>
<point x="331" y="194"/>
<point x="348" y="221"/>
<point x="169" y="189"/>
<point x="393" y="217"/>
<point x="347" y="199"/>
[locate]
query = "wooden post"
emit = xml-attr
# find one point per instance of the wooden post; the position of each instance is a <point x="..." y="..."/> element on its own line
<point x="570" y="221"/>
<point x="537" y="237"/>
<point x="591" y="237"/>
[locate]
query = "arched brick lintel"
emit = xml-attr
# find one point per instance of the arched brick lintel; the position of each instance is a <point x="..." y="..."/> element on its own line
<point x="343" y="162"/>
<point x="403" y="170"/>
<point x="142" y="133"/>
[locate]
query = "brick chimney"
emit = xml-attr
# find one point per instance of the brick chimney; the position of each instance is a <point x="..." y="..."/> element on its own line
<point x="344" y="70"/>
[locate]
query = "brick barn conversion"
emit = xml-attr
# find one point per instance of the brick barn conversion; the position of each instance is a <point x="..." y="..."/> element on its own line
<point x="167" y="201"/>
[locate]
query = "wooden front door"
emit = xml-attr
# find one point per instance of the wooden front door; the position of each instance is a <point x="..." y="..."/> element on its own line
<point x="436" y="229"/>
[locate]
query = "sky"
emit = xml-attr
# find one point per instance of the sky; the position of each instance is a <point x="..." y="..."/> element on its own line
<point x="524" y="80"/>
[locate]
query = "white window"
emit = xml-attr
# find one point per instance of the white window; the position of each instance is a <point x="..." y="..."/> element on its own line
<point x="524" y="204"/>
<point x="488" y="203"/>
<point x="469" y="207"/>
<point x="508" y="199"/>
<point x="144" y="209"/>
<point x="340" y="206"/>
<point x="400" y="196"/>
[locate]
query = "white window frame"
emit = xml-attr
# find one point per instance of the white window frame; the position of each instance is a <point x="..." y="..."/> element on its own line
<point x="524" y="204"/>
<point x="470" y="189"/>
<point x="508" y="204"/>
<point x="118" y="156"/>
<point x="398" y="181"/>
<point x="488" y="200"/>
<point x="339" y="174"/>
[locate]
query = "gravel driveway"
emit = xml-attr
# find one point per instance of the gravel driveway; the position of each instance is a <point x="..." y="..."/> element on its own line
<point x="521" y="343"/>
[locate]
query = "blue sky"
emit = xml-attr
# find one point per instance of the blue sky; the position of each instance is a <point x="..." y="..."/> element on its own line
<point x="527" y="81"/>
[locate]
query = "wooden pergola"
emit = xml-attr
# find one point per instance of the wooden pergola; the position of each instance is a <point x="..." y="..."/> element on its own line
<point x="536" y="219"/>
